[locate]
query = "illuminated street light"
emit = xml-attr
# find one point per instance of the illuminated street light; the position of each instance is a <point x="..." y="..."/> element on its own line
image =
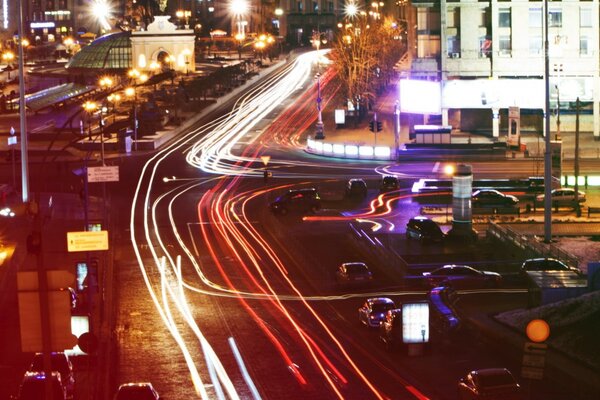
<point x="105" y="82"/>
<point x="102" y="11"/>
<point x="238" y="8"/>
<point x="90" y="107"/>
<point x="351" y="10"/>
<point x="186" y="55"/>
<point x="184" y="14"/>
<point x="114" y="98"/>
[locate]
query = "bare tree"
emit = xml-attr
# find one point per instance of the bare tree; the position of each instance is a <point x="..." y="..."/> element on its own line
<point x="363" y="52"/>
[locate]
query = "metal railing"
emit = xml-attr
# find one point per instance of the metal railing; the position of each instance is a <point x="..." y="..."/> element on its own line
<point x="530" y="245"/>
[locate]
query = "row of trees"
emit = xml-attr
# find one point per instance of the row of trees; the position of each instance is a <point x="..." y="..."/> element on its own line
<point x="364" y="54"/>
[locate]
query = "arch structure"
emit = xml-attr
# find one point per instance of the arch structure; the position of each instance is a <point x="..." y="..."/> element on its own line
<point x="162" y="37"/>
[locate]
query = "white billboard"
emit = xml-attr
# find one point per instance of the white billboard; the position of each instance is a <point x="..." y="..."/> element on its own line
<point x="420" y="97"/>
<point x="415" y="322"/>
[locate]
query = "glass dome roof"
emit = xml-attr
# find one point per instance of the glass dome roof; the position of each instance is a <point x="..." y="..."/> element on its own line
<point x="108" y="52"/>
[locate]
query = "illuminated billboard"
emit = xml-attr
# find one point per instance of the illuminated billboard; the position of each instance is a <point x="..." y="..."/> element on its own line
<point x="415" y="322"/>
<point x="420" y="97"/>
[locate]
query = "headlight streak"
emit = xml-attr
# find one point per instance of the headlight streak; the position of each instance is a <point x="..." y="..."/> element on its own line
<point x="309" y="343"/>
<point x="168" y="294"/>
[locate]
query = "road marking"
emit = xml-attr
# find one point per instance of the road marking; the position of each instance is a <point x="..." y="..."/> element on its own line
<point x="436" y="167"/>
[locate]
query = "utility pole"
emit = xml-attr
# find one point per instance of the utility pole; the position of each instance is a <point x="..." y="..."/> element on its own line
<point x="22" y="111"/>
<point x="576" y="167"/>
<point x="547" y="150"/>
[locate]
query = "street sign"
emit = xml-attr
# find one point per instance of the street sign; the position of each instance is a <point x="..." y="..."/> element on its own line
<point x="265" y="159"/>
<point x="87" y="241"/>
<point x="12" y="140"/>
<point x="534" y="359"/>
<point x="103" y="174"/>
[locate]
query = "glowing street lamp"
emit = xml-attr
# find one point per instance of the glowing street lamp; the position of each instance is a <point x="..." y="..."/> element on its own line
<point x="105" y="82"/>
<point x="102" y="11"/>
<point x="239" y="8"/>
<point x="8" y="57"/>
<point x="114" y="98"/>
<point x="184" y="14"/>
<point x="90" y="107"/>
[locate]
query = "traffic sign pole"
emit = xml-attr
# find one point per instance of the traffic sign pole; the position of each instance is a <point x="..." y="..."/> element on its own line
<point x="14" y="163"/>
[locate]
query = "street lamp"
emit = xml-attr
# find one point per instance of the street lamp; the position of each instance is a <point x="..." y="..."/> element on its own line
<point x="131" y="93"/>
<point x="184" y="14"/>
<point x="90" y="107"/>
<point x="114" y="98"/>
<point x="320" y="134"/>
<point x="8" y="58"/>
<point x="239" y="8"/>
<point x="134" y="74"/>
<point x="105" y="82"/>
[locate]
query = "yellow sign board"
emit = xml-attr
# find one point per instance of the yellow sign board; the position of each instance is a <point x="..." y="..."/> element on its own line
<point x="87" y="241"/>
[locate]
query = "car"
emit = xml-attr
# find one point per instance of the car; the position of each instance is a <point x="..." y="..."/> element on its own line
<point x="33" y="387"/>
<point x="389" y="183"/>
<point x="353" y="273"/>
<point x="493" y="198"/>
<point x="462" y="277"/>
<point x="546" y="264"/>
<point x="136" y="391"/>
<point x="59" y="362"/>
<point x="424" y="229"/>
<point x="297" y="200"/>
<point x="489" y="384"/>
<point x="373" y="311"/>
<point x="563" y="197"/>
<point x="356" y="188"/>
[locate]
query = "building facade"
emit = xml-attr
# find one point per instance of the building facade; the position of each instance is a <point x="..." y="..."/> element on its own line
<point x="489" y="55"/>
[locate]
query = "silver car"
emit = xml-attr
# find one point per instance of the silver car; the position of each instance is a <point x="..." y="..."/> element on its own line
<point x="563" y="197"/>
<point x="373" y="311"/>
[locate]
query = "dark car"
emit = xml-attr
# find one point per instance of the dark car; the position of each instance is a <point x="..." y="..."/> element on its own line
<point x="462" y="277"/>
<point x="493" y="199"/>
<point x="297" y="200"/>
<point x="373" y="310"/>
<point x="489" y="384"/>
<point x="356" y="188"/>
<point x="137" y="391"/>
<point x="389" y="183"/>
<point x="546" y="264"/>
<point x="424" y="229"/>
<point x="59" y="362"/>
<point x="33" y="387"/>
<point x="353" y="273"/>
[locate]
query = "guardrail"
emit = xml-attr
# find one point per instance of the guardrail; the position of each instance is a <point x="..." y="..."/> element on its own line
<point x="531" y="245"/>
<point x="349" y="150"/>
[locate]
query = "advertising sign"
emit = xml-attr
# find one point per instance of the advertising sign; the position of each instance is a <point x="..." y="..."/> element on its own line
<point x="415" y="322"/>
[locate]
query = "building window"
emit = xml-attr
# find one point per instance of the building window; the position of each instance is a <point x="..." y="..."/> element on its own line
<point x="584" y="46"/>
<point x="504" y="17"/>
<point x="535" y="17"/>
<point x="330" y="6"/>
<point x="453" y="17"/>
<point x="300" y="6"/>
<point x="315" y="6"/>
<point x="453" y="43"/>
<point x="555" y="18"/>
<point x="485" y="47"/>
<point x="585" y="17"/>
<point x="535" y="45"/>
<point x="504" y="45"/>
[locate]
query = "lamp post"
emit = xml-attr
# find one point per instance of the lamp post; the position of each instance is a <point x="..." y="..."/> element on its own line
<point x="114" y="98"/>
<point x="132" y="93"/>
<point x="320" y="134"/>
<point x="185" y="14"/>
<point x="8" y="58"/>
<point x="89" y="107"/>
<point x="186" y="54"/>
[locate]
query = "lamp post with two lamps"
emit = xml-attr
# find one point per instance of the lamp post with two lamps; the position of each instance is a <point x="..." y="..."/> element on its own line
<point x="184" y="14"/>
<point x="114" y="99"/>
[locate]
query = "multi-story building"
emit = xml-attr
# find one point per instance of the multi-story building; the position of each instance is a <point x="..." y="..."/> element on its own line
<point x="489" y="55"/>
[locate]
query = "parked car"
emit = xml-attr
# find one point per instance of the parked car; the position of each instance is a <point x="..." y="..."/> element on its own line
<point x="373" y="311"/>
<point x="356" y="188"/>
<point x="493" y="199"/>
<point x="563" y="197"/>
<point x="60" y="363"/>
<point x="389" y="183"/>
<point x="33" y="387"/>
<point x="546" y="264"/>
<point x="136" y="391"/>
<point x="297" y="200"/>
<point x="424" y="229"/>
<point x="462" y="277"/>
<point x="353" y="273"/>
<point x="489" y="384"/>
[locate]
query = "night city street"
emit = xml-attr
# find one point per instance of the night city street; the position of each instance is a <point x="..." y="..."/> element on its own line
<point x="313" y="200"/>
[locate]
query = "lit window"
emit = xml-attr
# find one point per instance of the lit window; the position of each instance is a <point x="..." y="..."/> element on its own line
<point x="453" y="46"/>
<point x="504" y="45"/>
<point x="535" y="45"/>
